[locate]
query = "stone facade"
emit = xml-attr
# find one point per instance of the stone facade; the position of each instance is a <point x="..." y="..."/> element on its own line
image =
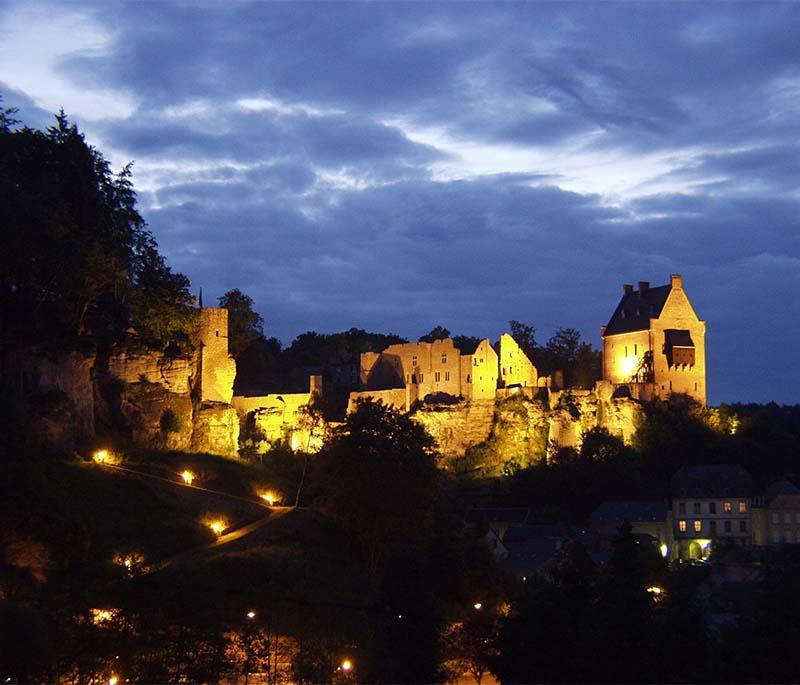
<point x="217" y="367"/>
<point x="515" y="367"/>
<point x="655" y="343"/>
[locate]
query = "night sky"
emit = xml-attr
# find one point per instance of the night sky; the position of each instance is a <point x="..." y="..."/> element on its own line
<point x="397" y="166"/>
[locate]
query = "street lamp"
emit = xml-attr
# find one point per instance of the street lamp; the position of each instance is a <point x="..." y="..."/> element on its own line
<point x="187" y="476"/>
<point x="347" y="665"/>
<point x="251" y="614"/>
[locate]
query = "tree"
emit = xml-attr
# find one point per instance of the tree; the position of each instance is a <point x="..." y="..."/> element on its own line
<point x="245" y="326"/>
<point x="525" y="336"/>
<point x="466" y="344"/>
<point x="437" y="333"/>
<point x="377" y="476"/>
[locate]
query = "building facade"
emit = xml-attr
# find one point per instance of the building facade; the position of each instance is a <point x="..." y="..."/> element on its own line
<point x="654" y="343"/>
<point x="710" y="502"/>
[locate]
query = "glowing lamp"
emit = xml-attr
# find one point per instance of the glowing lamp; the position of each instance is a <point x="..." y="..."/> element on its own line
<point x="347" y="665"/>
<point x="100" y="456"/>
<point x="269" y="497"/>
<point x="251" y="614"/>
<point x="188" y="477"/>
<point x="655" y="590"/>
<point x="477" y="606"/>
<point x="664" y="550"/>
<point x="113" y="680"/>
<point x="218" y="525"/>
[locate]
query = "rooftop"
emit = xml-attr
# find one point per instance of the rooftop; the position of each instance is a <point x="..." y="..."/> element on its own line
<point x="712" y="480"/>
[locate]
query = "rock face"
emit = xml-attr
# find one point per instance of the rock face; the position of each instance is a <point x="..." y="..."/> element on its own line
<point x="455" y="427"/>
<point x="216" y="430"/>
<point x="173" y="374"/>
<point x="494" y="436"/>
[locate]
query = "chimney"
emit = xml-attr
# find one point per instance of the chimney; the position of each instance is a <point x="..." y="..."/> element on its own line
<point x="676" y="281"/>
<point x="644" y="286"/>
<point x="627" y="289"/>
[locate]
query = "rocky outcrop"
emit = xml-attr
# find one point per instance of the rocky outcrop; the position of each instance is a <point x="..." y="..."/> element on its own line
<point x="517" y="430"/>
<point x="173" y="374"/>
<point x="455" y="427"/>
<point x="216" y="430"/>
<point x="156" y="417"/>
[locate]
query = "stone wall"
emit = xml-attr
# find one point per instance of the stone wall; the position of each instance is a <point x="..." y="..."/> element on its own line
<point x="217" y="367"/>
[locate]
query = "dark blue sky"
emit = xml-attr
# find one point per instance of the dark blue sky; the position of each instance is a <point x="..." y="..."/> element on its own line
<point x="394" y="166"/>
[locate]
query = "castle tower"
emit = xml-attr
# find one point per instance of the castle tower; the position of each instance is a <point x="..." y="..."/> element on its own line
<point x="217" y="367"/>
<point x="655" y="342"/>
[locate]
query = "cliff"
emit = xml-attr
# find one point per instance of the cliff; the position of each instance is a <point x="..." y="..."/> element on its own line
<point x="146" y="396"/>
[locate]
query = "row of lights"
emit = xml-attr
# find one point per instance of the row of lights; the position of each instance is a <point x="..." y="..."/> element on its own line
<point x="269" y="496"/>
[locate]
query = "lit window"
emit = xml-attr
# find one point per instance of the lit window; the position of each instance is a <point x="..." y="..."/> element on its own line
<point x="742" y="506"/>
<point x="682" y="526"/>
<point x="698" y="526"/>
<point x="727" y="507"/>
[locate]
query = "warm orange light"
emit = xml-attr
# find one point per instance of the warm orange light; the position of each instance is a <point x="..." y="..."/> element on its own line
<point x="269" y="497"/>
<point x="100" y="456"/>
<point x="218" y="525"/>
<point x="102" y="617"/>
<point x="188" y="477"/>
<point x="251" y="614"/>
<point x="347" y="665"/>
<point x="113" y="680"/>
<point x="477" y="606"/>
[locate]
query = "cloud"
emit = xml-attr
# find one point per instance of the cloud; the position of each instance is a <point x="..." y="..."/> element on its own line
<point x="397" y="166"/>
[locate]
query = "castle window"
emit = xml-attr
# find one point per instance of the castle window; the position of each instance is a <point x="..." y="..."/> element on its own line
<point x="413" y="378"/>
<point x="437" y="376"/>
<point x="444" y="359"/>
<point x="447" y="375"/>
<point x="698" y="526"/>
<point x="469" y="379"/>
<point x="420" y="377"/>
<point x="217" y="332"/>
<point x="414" y="360"/>
<point x="682" y="526"/>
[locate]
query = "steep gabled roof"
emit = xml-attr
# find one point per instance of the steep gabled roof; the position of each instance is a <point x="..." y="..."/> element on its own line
<point x="711" y="480"/>
<point x="634" y="311"/>
<point x="781" y="488"/>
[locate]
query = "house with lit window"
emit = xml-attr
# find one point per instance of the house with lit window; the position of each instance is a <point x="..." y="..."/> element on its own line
<point x="776" y="516"/>
<point x="709" y="502"/>
<point x="654" y="343"/>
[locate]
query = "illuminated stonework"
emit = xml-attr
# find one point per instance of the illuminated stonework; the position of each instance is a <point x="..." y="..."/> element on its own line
<point x="655" y="343"/>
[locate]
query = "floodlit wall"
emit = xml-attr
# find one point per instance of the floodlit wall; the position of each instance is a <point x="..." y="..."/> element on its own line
<point x="623" y="354"/>
<point x="397" y="398"/>
<point x="514" y="366"/>
<point x="678" y="313"/>
<point x="480" y="372"/>
<point x="217" y="367"/>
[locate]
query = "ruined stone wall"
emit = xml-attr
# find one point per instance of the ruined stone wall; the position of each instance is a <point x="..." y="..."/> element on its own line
<point x="397" y="398"/>
<point x="480" y="373"/>
<point x="459" y="426"/>
<point x="515" y="367"/>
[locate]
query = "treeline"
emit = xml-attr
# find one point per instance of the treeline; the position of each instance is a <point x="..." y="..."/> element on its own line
<point x="76" y="257"/>
<point x="263" y="364"/>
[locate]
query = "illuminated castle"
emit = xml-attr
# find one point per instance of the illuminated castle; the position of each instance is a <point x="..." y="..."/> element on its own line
<point x="655" y="343"/>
